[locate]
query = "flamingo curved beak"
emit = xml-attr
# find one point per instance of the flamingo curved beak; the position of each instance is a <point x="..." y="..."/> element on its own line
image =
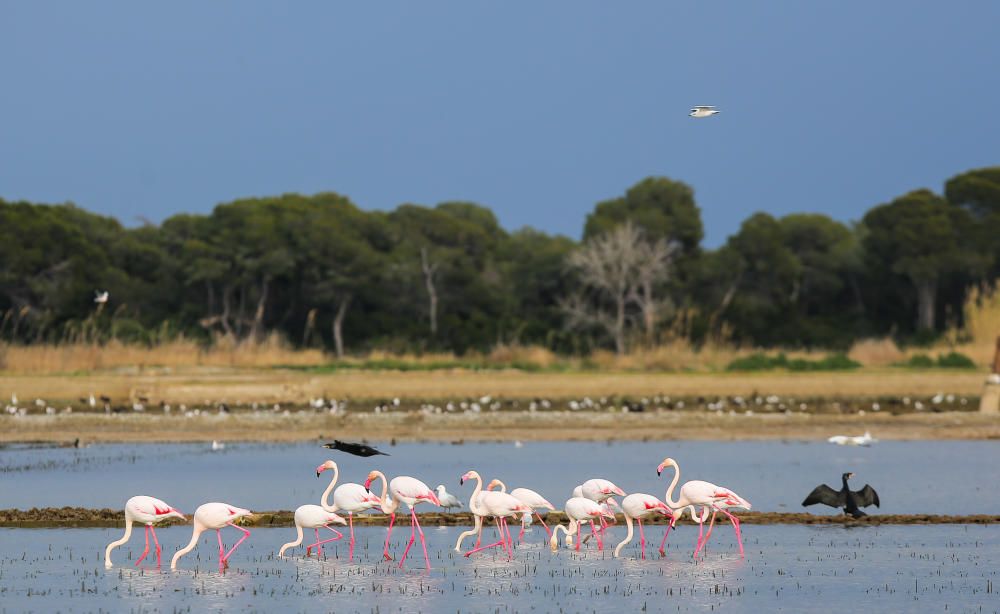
<point x="368" y="484"/>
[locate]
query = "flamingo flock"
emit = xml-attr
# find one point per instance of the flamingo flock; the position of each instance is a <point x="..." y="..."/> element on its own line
<point x="592" y="503"/>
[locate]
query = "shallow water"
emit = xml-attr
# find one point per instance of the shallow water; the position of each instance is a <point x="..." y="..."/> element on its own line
<point x="937" y="477"/>
<point x="793" y="568"/>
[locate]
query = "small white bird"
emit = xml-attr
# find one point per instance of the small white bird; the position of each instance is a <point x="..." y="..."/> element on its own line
<point x="447" y="499"/>
<point x="859" y="440"/>
<point x="703" y="110"/>
<point x="217" y="445"/>
<point x="101" y="296"/>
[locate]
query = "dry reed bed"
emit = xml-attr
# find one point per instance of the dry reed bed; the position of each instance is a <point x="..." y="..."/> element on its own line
<point x="77" y="517"/>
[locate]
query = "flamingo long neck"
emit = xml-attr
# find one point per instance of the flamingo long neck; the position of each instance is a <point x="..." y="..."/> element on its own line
<point x="668" y="498"/>
<point x="472" y="531"/>
<point x="628" y="535"/>
<point x="198" y="529"/>
<point x="503" y="487"/>
<point x="554" y="540"/>
<point x="474" y="499"/>
<point x="116" y="543"/>
<point x="298" y="538"/>
<point x="329" y="489"/>
<point x="387" y="507"/>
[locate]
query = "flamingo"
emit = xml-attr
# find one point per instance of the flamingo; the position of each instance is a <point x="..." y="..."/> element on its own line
<point x="148" y="511"/>
<point x="412" y="492"/>
<point x="598" y="490"/>
<point x="313" y="517"/>
<point x="530" y="498"/>
<point x="210" y="516"/>
<point x="578" y="509"/>
<point x="500" y="506"/>
<point x="348" y="497"/>
<point x="638" y="506"/>
<point x="700" y="493"/>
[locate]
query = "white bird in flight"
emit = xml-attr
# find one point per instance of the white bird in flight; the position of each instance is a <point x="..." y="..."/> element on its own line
<point x="860" y="440"/>
<point x="703" y="110"/>
<point x="101" y="297"/>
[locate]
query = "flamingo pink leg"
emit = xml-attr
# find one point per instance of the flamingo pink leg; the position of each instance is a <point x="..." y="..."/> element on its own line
<point x="487" y="547"/>
<point x="350" y="521"/>
<point x="579" y="536"/>
<point x="736" y="528"/>
<point x="157" y="543"/>
<point x="642" y="539"/>
<point x="222" y="549"/>
<point x="319" y="543"/>
<point x="423" y="542"/>
<point x="597" y="535"/>
<point x="146" y="551"/>
<point x="246" y="534"/>
<point x="520" y="536"/>
<point x="663" y="543"/>
<point x="548" y="531"/>
<point x="701" y="535"/>
<point x="510" y="539"/>
<point x="413" y="537"/>
<point x="388" y="534"/>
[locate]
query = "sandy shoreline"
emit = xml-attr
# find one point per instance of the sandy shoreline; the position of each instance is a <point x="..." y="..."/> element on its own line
<point x="499" y="426"/>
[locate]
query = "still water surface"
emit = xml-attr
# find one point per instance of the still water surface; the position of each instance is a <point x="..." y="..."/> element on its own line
<point x="949" y="568"/>
<point x="937" y="477"/>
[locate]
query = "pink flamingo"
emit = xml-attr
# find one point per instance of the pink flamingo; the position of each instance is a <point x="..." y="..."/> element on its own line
<point x="148" y="511"/>
<point x="638" y="506"/>
<point x="578" y="510"/>
<point x="599" y="490"/>
<point x="700" y="493"/>
<point x="530" y="498"/>
<point x="412" y="492"/>
<point x="214" y="516"/>
<point x="732" y="502"/>
<point x="500" y="506"/>
<point x="313" y="517"/>
<point x="349" y="497"/>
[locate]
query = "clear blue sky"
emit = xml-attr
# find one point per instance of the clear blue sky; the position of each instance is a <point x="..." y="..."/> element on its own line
<point x="537" y="109"/>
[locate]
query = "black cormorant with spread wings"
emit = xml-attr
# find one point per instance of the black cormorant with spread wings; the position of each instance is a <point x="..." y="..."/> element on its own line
<point x="851" y="500"/>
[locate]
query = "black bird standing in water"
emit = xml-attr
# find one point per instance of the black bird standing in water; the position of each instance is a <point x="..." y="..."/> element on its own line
<point x="357" y="449"/>
<point x="851" y="500"/>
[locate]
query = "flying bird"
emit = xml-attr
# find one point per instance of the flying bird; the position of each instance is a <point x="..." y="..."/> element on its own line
<point x="859" y="440"/>
<point x="101" y="296"/>
<point x="703" y="110"/>
<point x="357" y="449"/>
<point x="851" y="500"/>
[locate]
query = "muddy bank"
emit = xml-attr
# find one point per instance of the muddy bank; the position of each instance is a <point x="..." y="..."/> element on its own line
<point x="77" y="517"/>
<point x="66" y="429"/>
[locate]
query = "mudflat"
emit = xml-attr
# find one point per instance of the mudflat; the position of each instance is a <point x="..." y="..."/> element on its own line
<point x="498" y="426"/>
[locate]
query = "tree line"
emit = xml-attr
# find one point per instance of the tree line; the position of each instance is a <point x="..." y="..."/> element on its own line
<point x="324" y="273"/>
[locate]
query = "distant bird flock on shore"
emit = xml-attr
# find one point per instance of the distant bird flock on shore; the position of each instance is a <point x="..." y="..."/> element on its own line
<point x="591" y="503"/>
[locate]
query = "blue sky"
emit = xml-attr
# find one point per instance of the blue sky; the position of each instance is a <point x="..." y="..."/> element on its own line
<point x="536" y="109"/>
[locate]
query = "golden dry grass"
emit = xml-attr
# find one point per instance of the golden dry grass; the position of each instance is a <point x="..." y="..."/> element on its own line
<point x="194" y="386"/>
<point x="90" y="357"/>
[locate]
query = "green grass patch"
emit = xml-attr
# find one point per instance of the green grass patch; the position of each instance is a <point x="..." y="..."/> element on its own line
<point x="765" y="362"/>
<point x="951" y="360"/>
